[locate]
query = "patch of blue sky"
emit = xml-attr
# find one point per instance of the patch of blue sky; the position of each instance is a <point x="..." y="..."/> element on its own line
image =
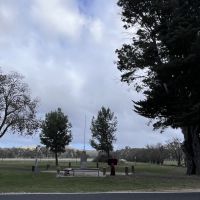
<point x="86" y="7"/>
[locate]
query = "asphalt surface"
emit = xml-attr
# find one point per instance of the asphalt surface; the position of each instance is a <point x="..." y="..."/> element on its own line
<point x="104" y="196"/>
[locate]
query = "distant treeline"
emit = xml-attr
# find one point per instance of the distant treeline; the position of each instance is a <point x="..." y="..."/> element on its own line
<point x="32" y="153"/>
<point x="156" y="154"/>
<point x="151" y="154"/>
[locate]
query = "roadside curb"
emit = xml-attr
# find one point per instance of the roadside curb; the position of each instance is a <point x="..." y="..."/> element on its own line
<point x="114" y="192"/>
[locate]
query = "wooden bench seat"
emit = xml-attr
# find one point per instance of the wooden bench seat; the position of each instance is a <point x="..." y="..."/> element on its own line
<point x="74" y="170"/>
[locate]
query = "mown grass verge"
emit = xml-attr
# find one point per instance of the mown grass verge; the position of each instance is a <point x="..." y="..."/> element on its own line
<point x="16" y="176"/>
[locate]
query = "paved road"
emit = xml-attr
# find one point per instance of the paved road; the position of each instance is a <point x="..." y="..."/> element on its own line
<point x="105" y="196"/>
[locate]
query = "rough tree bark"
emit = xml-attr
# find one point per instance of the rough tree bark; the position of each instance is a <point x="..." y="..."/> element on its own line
<point x="191" y="148"/>
<point x="179" y="161"/>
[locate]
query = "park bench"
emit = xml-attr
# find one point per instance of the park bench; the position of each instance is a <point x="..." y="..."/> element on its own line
<point x="76" y="170"/>
<point x="67" y="171"/>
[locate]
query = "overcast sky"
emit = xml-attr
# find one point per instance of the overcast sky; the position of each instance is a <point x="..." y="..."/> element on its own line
<point x="66" y="51"/>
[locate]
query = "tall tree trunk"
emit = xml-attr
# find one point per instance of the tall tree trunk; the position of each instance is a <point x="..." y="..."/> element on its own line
<point x="191" y="148"/>
<point x="179" y="156"/>
<point x="108" y="154"/>
<point x="179" y="161"/>
<point x="56" y="157"/>
<point x="196" y="147"/>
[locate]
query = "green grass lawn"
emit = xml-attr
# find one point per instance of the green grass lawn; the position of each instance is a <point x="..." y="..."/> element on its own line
<point x="16" y="176"/>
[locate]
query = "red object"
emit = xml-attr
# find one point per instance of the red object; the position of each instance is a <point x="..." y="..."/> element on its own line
<point x="112" y="161"/>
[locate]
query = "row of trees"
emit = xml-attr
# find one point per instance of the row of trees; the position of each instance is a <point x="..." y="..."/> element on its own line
<point x="155" y="154"/>
<point x="56" y="131"/>
<point x="32" y="152"/>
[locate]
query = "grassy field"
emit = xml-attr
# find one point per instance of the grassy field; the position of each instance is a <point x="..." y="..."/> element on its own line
<point x="16" y="176"/>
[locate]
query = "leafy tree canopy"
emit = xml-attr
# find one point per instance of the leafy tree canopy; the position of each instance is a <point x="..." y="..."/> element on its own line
<point x="17" y="108"/>
<point x="56" y="132"/>
<point x="163" y="59"/>
<point x="103" y="130"/>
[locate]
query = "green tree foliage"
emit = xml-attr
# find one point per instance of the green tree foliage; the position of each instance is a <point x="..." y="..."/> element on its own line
<point x="103" y="130"/>
<point x="17" y="108"/>
<point x="56" y="132"/>
<point x="163" y="62"/>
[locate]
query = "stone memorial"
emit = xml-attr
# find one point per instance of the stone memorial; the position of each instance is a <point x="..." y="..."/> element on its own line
<point x="83" y="157"/>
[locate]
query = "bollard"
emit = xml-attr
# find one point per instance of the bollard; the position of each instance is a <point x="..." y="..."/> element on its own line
<point x="112" y="170"/>
<point x="33" y="168"/>
<point x="58" y="171"/>
<point x="126" y="171"/>
<point x="47" y="166"/>
<point x="104" y="171"/>
<point x="69" y="164"/>
<point x="133" y="169"/>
